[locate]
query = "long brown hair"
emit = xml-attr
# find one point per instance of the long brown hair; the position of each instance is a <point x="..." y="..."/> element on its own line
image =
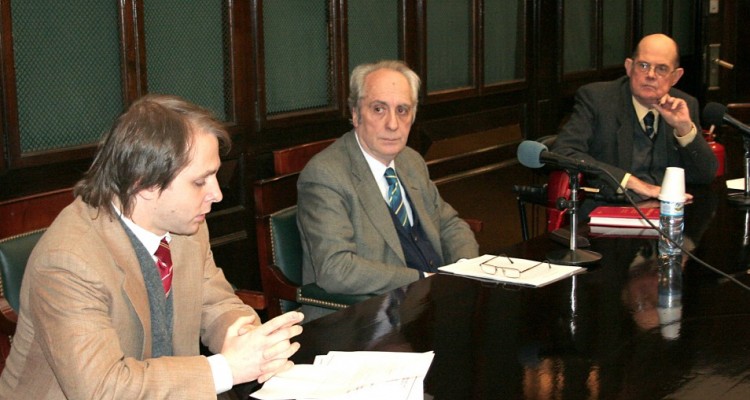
<point x="148" y="145"/>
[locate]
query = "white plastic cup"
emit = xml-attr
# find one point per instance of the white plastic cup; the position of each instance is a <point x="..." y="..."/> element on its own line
<point x="673" y="185"/>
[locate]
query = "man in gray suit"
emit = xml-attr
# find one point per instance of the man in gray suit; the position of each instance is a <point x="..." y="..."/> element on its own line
<point x="353" y="241"/>
<point x="607" y="127"/>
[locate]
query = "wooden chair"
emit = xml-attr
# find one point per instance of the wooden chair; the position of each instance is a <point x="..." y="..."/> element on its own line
<point x="280" y="251"/>
<point x="293" y="159"/>
<point x="14" y="254"/>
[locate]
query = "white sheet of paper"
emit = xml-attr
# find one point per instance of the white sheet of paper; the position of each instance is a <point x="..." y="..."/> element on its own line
<point x="352" y="375"/>
<point x="535" y="277"/>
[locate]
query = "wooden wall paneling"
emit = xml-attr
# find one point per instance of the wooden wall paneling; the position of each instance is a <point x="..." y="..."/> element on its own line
<point x="33" y="212"/>
<point x="302" y="115"/>
<point x="9" y="140"/>
<point x="472" y="159"/>
<point x="231" y="226"/>
<point x="6" y="78"/>
<point x="134" y="82"/>
<point x="242" y="69"/>
<point x="486" y="195"/>
<point x="414" y="38"/>
<point x="741" y="34"/>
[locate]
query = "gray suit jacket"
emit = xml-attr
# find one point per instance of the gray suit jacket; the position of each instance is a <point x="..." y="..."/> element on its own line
<point x="84" y="327"/>
<point x="349" y="241"/>
<point x="601" y="130"/>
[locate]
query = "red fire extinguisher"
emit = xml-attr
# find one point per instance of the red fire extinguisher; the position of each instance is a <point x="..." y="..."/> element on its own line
<point x="717" y="148"/>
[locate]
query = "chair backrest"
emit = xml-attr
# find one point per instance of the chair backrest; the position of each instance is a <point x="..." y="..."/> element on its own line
<point x="286" y="247"/>
<point x="293" y="159"/>
<point x="279" y="245"/>
<point x="280" y="251"/>
<point x="276" y="200"/>
<point x="29" y="213"/>
<point x="556" y="187"/>
<point x="286" y="243"/>
<point x="14" y="254"/>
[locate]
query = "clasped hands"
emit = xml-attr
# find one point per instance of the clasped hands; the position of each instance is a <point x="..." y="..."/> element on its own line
<point x="261" y="351"/>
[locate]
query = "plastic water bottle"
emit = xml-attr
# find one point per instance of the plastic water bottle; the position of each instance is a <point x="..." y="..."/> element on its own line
<point x="671" y="223"/>
<point x="672" y="197"/>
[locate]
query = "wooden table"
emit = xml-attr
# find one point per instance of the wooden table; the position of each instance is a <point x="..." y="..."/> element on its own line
<point x="596" y="335"/>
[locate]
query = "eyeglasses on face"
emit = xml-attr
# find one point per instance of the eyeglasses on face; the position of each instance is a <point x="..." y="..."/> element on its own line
<point x="660" y="70"/>
<point x="507" y="267"/>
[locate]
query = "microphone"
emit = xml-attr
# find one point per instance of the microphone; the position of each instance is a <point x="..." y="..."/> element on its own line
<point x="533" y="154"/>
<point x="716" y="114"/>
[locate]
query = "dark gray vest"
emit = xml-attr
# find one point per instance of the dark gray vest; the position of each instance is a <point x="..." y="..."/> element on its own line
<point x="159" y="305"/>
<point x="649" y="158"/>
<point x="418" y="250"/>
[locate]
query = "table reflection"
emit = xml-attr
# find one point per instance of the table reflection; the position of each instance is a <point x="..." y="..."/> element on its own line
<point x="597" y="335"/>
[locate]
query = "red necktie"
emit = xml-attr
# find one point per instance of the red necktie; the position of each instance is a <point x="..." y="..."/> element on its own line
<point x="164" y="263"/>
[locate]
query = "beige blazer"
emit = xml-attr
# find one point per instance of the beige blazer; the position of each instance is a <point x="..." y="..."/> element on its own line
<point x="84" y="325"/>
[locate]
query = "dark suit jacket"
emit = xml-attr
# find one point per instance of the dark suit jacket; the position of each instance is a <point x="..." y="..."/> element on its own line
<point x="349" y="240"/>
<point x="84" y="327"/>
<point x="601" y="131"/>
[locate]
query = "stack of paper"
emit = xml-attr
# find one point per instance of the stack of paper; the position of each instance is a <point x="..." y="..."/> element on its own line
<point x="517" y="271"/>
<point x="352" y="375"/>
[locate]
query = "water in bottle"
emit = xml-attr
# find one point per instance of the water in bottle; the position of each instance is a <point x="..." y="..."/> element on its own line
<point x="671" y="224"/>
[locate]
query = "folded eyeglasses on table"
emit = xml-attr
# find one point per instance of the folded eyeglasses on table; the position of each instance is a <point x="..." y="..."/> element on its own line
<point x="508" y="267"/>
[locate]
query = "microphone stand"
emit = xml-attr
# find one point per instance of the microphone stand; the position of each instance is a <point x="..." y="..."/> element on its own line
<point x="573" y="255"/>
<point x="743" y="198"/>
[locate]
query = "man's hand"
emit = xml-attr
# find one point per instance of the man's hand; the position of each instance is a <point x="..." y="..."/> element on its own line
<point x="647" y="190"/>
<point x="675" y="111"/>
<point x="260" y="352"/>
<point x="642" y="188"/>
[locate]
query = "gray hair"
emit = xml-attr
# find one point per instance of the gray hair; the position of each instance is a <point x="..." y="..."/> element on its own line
<point x="360" y="72"/>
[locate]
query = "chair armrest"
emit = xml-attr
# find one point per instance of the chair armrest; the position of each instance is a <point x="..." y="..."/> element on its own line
<point x="8" y="318"/>
<point x="312" y="294"/>
<point x="283" y="287"/>
<point x="476" y="225"/>
<point x="256" y="300"/>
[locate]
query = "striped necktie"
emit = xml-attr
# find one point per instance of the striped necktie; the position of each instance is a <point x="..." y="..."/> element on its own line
<point x="395" y="197"/>
<point x="164" y="264"/>
<point x="648" y="122"/>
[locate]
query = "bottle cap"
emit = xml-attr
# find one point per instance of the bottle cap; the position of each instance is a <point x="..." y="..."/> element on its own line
<point x="673" y="185"/>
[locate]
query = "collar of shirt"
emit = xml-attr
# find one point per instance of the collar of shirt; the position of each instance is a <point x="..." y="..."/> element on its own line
<point x="149" y="240"/>
<point x="377" y="169"/>
<point x="641" y="111"/>
<point x="378" y="173"/>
